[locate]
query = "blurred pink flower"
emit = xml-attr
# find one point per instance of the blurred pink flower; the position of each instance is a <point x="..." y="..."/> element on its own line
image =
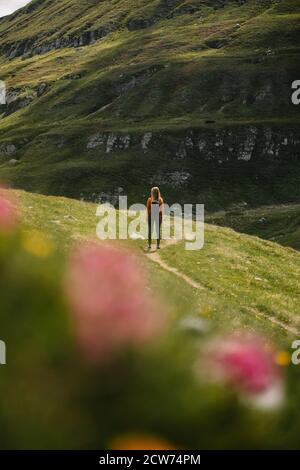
<point x="8" y="215"/>
<point x="111" y="304"/>
<point x="247" y="363"/>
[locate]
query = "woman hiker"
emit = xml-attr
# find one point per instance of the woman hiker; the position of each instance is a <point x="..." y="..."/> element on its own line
<point x="155" y="206"/>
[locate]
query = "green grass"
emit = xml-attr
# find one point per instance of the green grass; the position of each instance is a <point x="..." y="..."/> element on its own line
<point x="255" y="279"/>
<point x="247" y="281"/>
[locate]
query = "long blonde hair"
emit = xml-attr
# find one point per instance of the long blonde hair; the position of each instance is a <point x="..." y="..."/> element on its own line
<point x="155" y="194"/>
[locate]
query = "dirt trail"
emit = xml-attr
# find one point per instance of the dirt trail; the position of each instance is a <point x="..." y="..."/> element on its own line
<point x="275" y="321"/>
<point x="155" y="257"/>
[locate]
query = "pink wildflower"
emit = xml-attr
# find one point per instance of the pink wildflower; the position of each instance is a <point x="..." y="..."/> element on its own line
<point x="8" y="217"/>
<point x="248" y="364"/>
<point x="111" y="304"/>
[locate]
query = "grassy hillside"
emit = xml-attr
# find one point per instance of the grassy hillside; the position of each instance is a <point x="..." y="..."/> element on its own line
<point x="276" y="223"/>
<point x="177" y="63"/>
<point x="244" y="282"/>
<point x="256" y="278"/>
<point x="195" y="96"/>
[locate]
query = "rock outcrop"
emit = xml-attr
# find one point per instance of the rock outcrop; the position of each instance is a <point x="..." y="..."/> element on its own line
<point x="242" y="143"/>
<point x="7" y="149"/>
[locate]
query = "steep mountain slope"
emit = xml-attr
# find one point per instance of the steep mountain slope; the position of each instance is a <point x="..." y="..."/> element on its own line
<point x="106" y="97"/>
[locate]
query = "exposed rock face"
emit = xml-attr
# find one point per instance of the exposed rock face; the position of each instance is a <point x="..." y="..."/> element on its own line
<point x="220" y="145"/>
<point x="38" y="45"/>
<point x="146" y="140"/>
<point x="109" y="141"/>
<point x="7" y="149"/>
<point x="178" y="159"/>
<point x="18" y="98"/>
<point x="249" y="145"/>
<point x="103" y="197"/>
<point x="175" y="179"/>
<point x="94" y="141"/>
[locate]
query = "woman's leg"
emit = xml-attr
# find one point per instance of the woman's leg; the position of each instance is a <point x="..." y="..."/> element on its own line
<point x="149" y="232"/>
<point x="159" y="233"/>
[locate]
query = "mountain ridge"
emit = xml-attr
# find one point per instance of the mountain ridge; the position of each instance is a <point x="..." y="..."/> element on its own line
<point x="83" y="31"/>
